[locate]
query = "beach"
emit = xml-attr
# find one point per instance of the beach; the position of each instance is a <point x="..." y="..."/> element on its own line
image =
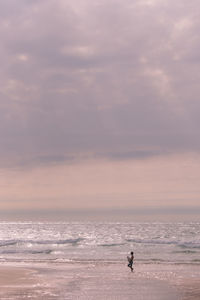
<point x="89" y="261"/>
<point x="99" y="281"/>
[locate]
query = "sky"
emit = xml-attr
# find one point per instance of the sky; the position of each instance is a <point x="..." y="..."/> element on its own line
<point x="99" y="107"/>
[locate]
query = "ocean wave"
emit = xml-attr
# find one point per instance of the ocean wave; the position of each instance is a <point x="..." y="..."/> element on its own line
<point x="156" y="242"/>
<point x="112" y="245"/>
<point x="8" y="243"/>
<point x="56" y="242"/>
<point x="40" y="242"/>
<point x="20" y="251"/>
<point x="185" y="252"/>
<point x="47" y="251"/>
<point x="191" y="244"/>
<point x="196" y="260"/>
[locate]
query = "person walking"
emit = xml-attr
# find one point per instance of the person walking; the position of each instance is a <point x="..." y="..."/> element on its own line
<point x="130" y="261"/>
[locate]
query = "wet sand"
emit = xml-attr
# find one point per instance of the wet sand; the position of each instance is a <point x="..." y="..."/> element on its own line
<point x="99" y="281"/>
<point x="15" y="280"/>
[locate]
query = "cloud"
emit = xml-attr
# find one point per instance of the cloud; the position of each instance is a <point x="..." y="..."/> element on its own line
<point x="101" y="78"/>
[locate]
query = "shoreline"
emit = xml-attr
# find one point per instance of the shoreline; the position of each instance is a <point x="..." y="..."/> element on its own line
<point x="99" y="281"/>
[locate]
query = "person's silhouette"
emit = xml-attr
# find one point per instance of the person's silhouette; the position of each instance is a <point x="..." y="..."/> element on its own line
<point x="130" y="261"/>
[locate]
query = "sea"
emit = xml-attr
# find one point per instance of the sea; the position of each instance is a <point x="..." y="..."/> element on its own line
<point x="71" y="242"/>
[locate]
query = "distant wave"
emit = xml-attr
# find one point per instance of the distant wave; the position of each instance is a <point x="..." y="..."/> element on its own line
<point x="47" y="251"/>
<point x="55" y="242"/>
<point x="112" y="245"/>
<point x="185" y="251"/>
<point x="156" y="242"/>
<point x="196" y="260"/>
<point x="21" y="251"/>
<point x="40" y="242"/>
<point x="195" y="245"/>
<point x="8" y="243"/>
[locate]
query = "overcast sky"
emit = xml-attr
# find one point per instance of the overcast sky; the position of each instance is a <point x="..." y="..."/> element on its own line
<point x="99" y="87"/>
